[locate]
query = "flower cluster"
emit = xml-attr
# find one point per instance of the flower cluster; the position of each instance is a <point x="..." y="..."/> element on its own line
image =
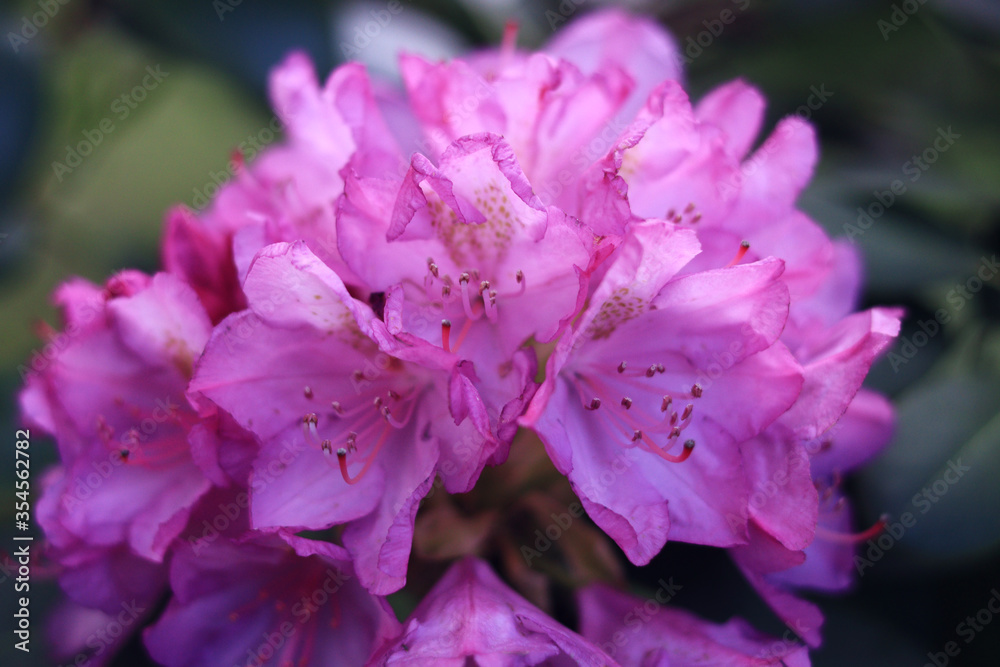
<point x="555" y="242"/>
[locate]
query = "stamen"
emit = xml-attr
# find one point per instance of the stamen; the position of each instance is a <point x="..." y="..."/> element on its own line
<point x="335" y="406"/>
<point x="489" y="300"/>
<point x="462" y="334"/>
<point x="667" y="456"/>
<point x="689" y="207"/>
<point x="342" y="457"/>
<point x="853" y="538"/>
<point x="651" y="371"/>
<point x="308" y="392"/>
<point x="446" y="335"/>
<point x="432" y="267"/>
<point x="688" y="409"/>
<point x="594" y="404"/>
<point x="637" y="436"/>
<point x="744" y="246"/>
<point x="626" y="402"/>
<point x="697" y="391"/>
<point x="327" y="447"/>
<point x="667" y="400"/>
<point x="309" y="423"/>
<point x="463" y="281"/>
<point x="509" y="43"/>
<point x="519" y="276"/>
<point x="621" y="367"/>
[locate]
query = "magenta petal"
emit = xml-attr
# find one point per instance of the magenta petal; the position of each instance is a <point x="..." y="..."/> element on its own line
<point x="860" y="434"/>
<point x="737" y="109"/>
<point x="836" y="364"/>
<point x="471" y="614"/>
<point x="262" y="603"/>
<point x="637" y="45"/>
<point x="380" y="541"/>
<point x="672" y="637"/>
<point x="783" y="499"/>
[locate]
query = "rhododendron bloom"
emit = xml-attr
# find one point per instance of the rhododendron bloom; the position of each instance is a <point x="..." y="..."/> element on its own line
<point x="629" y="391"/>
<point x="350" y="433"/>
<point x="360" y="317"/>
<point x="114" y="398"/>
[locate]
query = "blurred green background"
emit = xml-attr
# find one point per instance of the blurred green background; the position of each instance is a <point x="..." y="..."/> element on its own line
<point x="896" y="74"/>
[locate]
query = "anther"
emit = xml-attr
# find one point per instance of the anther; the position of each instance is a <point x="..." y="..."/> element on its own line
<point x="626" y="402"/>
<point x="651" y="371"/>
<point x="660" y="368"/>
<point x="667" y="400"/>
<point x="744" y="246"/>
<point x="637" y="436"/>
<point x="594" y="404"/>
<point x="689" y="207"/>
<point x="697" y="391"/>
<point x="519" y="276"/>
<point x="621" y="367"/>
<point x="327" y="447"/>
<point x="335" y="406"/>
<point x="484" y="286"/>
<point x="308" y="392"/>
<point x="688" y="409"/>
<point x="377" y="401"/>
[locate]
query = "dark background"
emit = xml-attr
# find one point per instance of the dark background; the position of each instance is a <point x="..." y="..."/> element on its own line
<point x="893" y="84"/>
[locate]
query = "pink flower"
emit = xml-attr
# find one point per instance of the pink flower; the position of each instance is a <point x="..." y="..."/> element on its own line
<point x="113" y="397"/>
<point x="350" y="432"/>
<point x="261" y="602"/>
<point x="638" y="383"/>
<point x="623" y="626"/>
<point x="290" y="191"/>
<point x="470" y="615"/>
